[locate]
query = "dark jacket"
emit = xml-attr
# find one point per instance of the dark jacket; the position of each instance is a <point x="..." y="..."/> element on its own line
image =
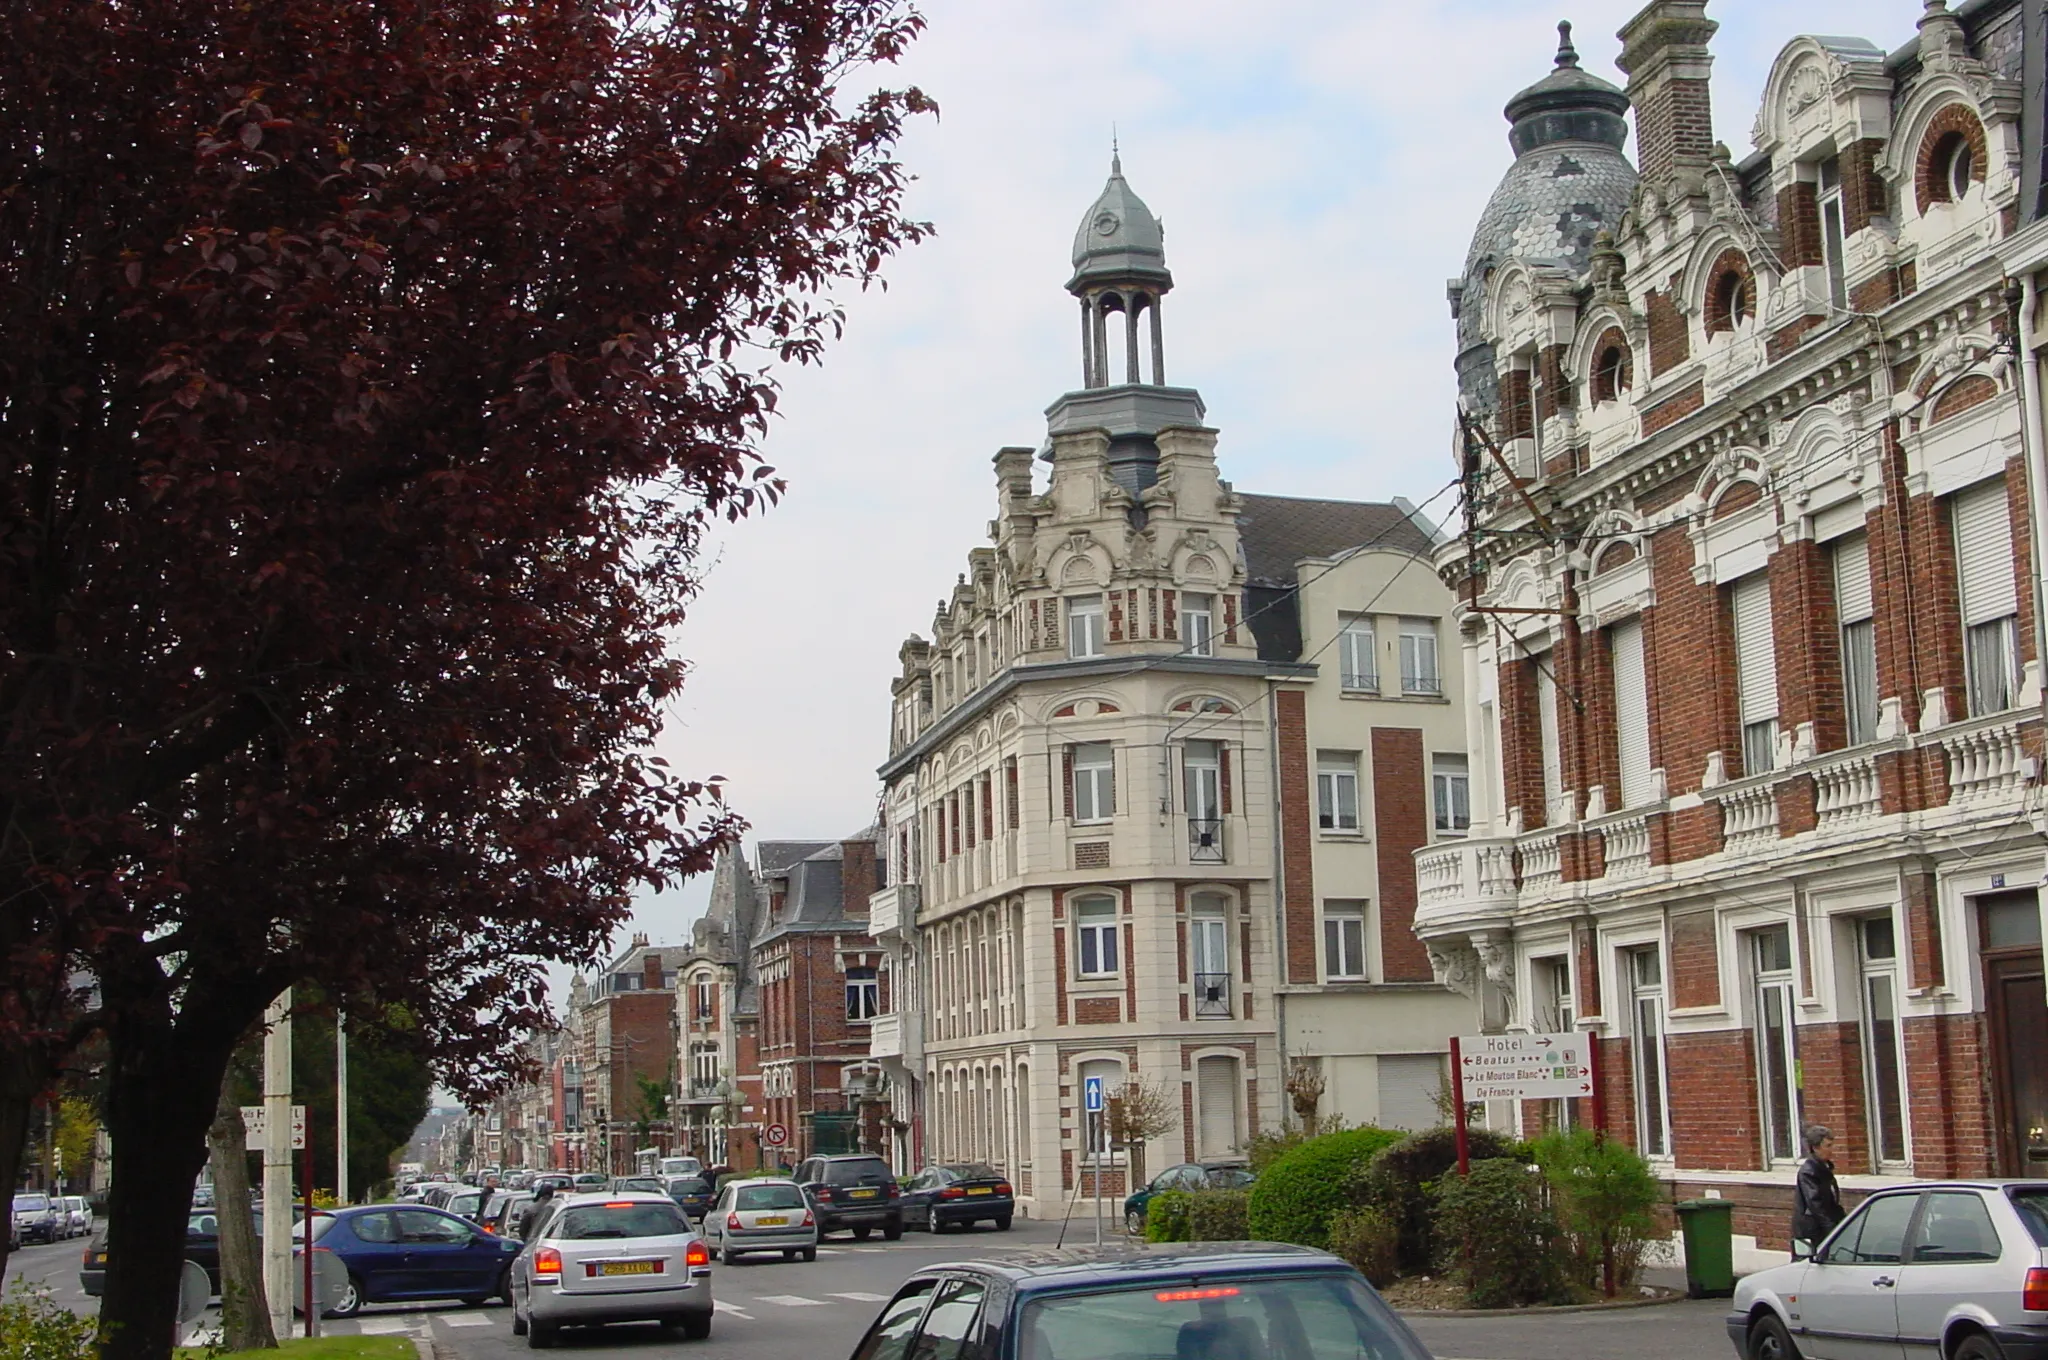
<point x="1816" y="1201"/>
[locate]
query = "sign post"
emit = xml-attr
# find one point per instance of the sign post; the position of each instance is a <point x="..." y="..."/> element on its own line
<point x="1458" y="1104"/>
<point x="1520" y="1067"/>
<point x="1091" y="1104"/>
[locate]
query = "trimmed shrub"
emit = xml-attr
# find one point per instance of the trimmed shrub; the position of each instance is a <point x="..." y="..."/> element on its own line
<point x="1497" y="1236"/>
<point x="1168" y="1217"/>
<point x="1604" y="1197"/>
<point x="1267" y="1148"/>
<point x="1400" y="1181"/>
<point x="1219" y="1215"/>
<point x="34" y="1326"/>
<point x="1295" y="1197"/>
<point x="1367" y="1239"/>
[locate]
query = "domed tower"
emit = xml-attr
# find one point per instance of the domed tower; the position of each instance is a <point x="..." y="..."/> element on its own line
<point x="1570" y="181"/>
<point x="1120" y="275"/>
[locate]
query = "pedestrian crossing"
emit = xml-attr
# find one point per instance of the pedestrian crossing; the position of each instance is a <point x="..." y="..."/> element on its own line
<point x="424" y="1325"/>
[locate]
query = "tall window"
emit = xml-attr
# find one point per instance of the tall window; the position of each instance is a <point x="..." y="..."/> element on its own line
<point x="1883" y="1044"/>
<point x="1094" y="782"/>
<point x="1204" y="766"/>
<point x="1547" y="733"/>
<point x="1770" y="954"/>
<point x="1419" y="674"/>
<point x="1756" y="672"/>
<point x="1095" y="936"/>
<point x="1832" y="235"/>
<point x="1209" y="944"/>
<point x="1084" y="625"/>
<point x="1645" y="971"/>
<point x="863" y="994"/>
<point x="1451" y="791"/>
<point x="1357" y="662"/>
<point x="1198" y="624"/>
<point x="705" y="996"/>
<point x="1344" y="941"/>
<point x="703" y="1066"/>
<point x="1855" y="615"/>
<point x="1990" y="604"/>
<point x="1631" y="711"/>
<point x="1337" y="790"/>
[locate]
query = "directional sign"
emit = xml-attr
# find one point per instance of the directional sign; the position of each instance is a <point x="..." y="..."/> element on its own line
<point x="775" y="1135"/>
<point x="255" y="1124"/>
<point x="1091" y="1095"/>
<point x="1525" y="1066"/>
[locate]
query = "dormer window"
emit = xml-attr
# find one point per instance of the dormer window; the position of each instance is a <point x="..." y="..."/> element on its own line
<point x="1731" y="293"/>
<point x="1611" y="369"/>
<point x="1955" y="166"/>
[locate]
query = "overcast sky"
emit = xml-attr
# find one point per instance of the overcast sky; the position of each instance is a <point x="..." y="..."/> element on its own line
<point x="1318" y="165"/>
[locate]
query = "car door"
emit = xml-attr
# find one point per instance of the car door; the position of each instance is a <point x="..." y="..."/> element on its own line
<point x="377" y="1256"/>
<point x="890" y="1336"/>
<point x="1952" y="1257"/>
<point x="950" y="1323"/>
<point x="1848" y="1307"/>
<point x="438" y="1261"/>
<point x="917" y="1194"/>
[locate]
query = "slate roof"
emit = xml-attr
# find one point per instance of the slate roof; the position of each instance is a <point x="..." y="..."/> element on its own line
<point x="1278" y="531"/>
<point x="775" y="856"/>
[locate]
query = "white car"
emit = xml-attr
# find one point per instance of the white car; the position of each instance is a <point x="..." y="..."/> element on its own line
<point x="768" y="1214"/>
<point x="79" y="1212"/>
<point x="1941" y="1271"/>
<point x="589" y="1260"/>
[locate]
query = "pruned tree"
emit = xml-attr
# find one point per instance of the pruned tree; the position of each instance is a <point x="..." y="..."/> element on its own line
<point x="373" y="374"/>
<point x="1305" y="1086"/>
<point x="1138" y="1112"/>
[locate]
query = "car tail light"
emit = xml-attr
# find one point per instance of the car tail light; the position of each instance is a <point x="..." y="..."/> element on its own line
<point x="1002" y="1187"/>
<point x="2034" y="1298"/>
<point x="952" y="1192"/>
<point x="547" y="1261"/>
<point x="733" y="1224"/>
<point x="697" y="1255"/>
<point x="1185" y="1295"/>
<point x="619" y="1204"/>
<point x="808" y="1222"/>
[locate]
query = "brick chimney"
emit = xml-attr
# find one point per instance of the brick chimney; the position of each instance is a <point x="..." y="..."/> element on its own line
<point x="858" y="879"/>
<point x="650" y="971"/>
<point x="1664" y="51"/>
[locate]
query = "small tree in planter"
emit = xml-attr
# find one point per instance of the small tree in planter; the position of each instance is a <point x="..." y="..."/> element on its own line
<point x="1497" y="1235"/>
<point x="1604" y="1195"/>
<point x="1138" y="1113"/>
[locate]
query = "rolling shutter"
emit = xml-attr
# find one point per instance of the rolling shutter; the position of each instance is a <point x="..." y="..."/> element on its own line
<point x="1546" y="726"/>
<point x="1216" y="1095"/>
<point x="1853" y="601"/>
<point x="1756" y="662"/>
<point x="1408" y="1084"/>
<point x="1631" y="711"/>
<point x="1984" y="553"/>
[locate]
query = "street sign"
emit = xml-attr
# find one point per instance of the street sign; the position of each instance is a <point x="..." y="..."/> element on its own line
<point x="775" y="1135"/>
<point x="1525" y="1066"/>
<point x="255" y="1124"/>
<point x="1091" y="1095"/>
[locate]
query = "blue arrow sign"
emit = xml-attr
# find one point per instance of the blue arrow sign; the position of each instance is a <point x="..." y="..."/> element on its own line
<point x="1091" y="1095"/>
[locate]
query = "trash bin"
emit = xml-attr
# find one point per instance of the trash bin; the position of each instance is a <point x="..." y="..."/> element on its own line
<point x="1709" y="1228"/>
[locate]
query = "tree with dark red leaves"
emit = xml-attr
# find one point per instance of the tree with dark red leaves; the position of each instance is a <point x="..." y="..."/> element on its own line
<point x="370" y="375"/>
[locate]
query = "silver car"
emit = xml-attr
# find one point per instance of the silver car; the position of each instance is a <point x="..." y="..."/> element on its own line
<point x="79" y="1212"/>
<point x="762" y="1215"/>
<point x="1941" y="1271"/>
<point x="594" y="1259"/>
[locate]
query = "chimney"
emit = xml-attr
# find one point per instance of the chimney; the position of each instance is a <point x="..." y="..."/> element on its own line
<point x="858" y="879"/>
<point x="650" y="970"/>
<point x="1664" y="51"/>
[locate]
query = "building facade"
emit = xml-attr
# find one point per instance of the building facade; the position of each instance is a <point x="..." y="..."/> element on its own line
<point x="621" y="1031"/>
<point x="1747" y="608"/>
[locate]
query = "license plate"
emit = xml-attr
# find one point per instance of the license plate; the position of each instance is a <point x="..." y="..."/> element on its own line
<point x="865" y="1194"/>
<point x="629" y="1267"/>
<point x="770" y="1221"/>
<point x="979" y="1190"/>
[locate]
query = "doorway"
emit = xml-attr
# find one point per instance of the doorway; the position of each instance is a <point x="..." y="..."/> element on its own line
<point x="2016" y="1003"/>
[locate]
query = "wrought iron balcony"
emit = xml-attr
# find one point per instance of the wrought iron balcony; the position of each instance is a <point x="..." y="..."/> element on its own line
<point x="1212" y="994"/>
<point x="1205" y="840"/>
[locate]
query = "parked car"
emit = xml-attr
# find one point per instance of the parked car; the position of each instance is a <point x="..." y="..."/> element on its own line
<point x="501" y="1211"/>
<point x="598" y="1259"/>
<point x="561" y="1180"/>
<point x="588" y="1182"/>
<point x="202" y="1246"/>
<point x="466" y="1202"/>
<point x="39" y="1217"/>
<point x="681" y="1166"/>
<point x="762" y="1215"/>
<point x="853" y="1191"/>
<point x="398" y="1252"/>
<point x="1949" y="1269"/>
<point x="644" y="1185"/>
<point x="1190" y="1300"/>
<point x="694" y="1193"/>
<point x="79" y="1212"/>
<point x="1212" y="1175"/>
<point x="958" y="1194"/>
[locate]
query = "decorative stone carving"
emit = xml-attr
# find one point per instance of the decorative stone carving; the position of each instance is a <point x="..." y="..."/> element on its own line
<point x="1456" y="965"/>
<point x="1496" y="955"/>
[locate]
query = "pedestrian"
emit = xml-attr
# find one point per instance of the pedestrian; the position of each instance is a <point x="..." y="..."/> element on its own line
<point x="1816" y="1199"/>
<point x="531" y="1212"/>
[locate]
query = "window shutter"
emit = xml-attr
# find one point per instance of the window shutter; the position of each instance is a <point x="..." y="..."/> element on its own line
<point x="1631" y="711"/>
<point x="988" y="810"/>
<point x="1756" y="661"/>
<point x="1984" y="553"/>
<point x="1067" y="779"/>
<point x="1216" y="1094"/>
<point x="1546" y="722"/>
<point x="1010" y="791"/>
<point x="1223" y="760"/>
<point x="1853" y="602"/>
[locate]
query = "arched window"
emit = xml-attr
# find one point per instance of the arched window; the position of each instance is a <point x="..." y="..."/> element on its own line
<point x="1732" y="303"/>
<point x="1954" y="166"/>
<point x="1952" y="157"/>
<point x="1612" y="369"/>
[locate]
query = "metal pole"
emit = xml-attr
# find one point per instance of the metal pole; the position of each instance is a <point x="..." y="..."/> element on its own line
<point x="1458" y="1101"/>
<point x="340" y="1107"/>
<point x="277" y="1163"/>
<point x="1095" y="1161"/>
<point x="306" y="1248"/>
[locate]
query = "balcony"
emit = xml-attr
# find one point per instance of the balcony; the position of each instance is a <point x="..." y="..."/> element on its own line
<point x="891" y="909"/>
<point x="1212" y="996"/>
<point x="1205" y="840"/>
<point x="896" y="1038"/>
<point x="705" y="1093"/>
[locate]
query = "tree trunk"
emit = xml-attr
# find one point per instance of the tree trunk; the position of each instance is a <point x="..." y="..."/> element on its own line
<point x="244" y="1307"/>
<point x="26" y="1072"/>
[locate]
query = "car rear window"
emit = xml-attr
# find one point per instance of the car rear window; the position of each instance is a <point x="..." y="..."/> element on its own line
<point x="688" y="1185"/>
<point x="585" y="1221"/>
<point x="868" y="1171"/>
<point x="768" y="1197"/>
<point x="975" y="1171"/>
<point x="2032" y="1202"/>
<point x="1305" y="1317"/>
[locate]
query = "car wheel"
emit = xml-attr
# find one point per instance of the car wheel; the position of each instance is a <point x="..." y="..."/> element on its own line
<point x="697" y="1326"/>
<point x="1134" y="1223"/>
<point x="1979" y="1347"/>
<point x="932" y="1224"/>
<point x="351" y="1301"/>
<point x="1002" y="1222"/>
<point x="790" y="1254"/>
<point x="540" y="1335"/>
<point x="862" y="1233"/>
<point x="1768" y="1340"/>
<point x="810" y="1253"/>
<point x="727" y="1256"/>
<point x="893" y="1232"/>
<point x="518" y="1323"/>
<point x="505" y="1287"/>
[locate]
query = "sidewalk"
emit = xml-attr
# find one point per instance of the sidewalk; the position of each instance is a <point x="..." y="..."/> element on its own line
<point x="1690" y="1329"/>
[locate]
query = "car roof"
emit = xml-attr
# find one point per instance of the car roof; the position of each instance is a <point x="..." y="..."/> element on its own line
<point x="847" y="1157"/>
<point x="1139" y="1262"/>
<point x="1983" y="1183"/>
<point x="764" y="1180"/>
<point x="615" y="1197"/>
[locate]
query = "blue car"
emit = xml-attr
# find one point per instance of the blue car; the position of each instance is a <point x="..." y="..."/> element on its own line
<point x="401" y="1252"/>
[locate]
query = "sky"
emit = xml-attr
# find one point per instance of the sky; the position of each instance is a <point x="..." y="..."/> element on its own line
<point x="1318" y="166"/>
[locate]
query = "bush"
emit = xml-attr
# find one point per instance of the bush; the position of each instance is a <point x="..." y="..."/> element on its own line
<point x="1367" y="1238"/>
<point x="1169" y="1217"/>
<point x="1604" y="1197"/>
<point x="1400" y="1180"/>
<point x="1219" y="1215"/>
<point x="1268" y="1148"/>
<point x="34" y="1327"/>
<point x="1498" y="1237"/>
<point x="1293" y="1199"/>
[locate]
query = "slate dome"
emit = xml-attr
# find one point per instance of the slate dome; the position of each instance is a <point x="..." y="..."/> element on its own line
<point x="1119" y="238"/>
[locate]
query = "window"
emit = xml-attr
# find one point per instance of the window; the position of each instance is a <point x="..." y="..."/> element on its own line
<point x="1203" y="765"/>
<point x="705" y="996"/>
<point x="1644" y="969"/>
<point x="1770" y="953"/>
<point x="1357" y="664"/>
<point x="1094" y="782"/>
<point x="1990" y="607"/>
<point x="1855" y="615"/>
<point x="1084" y="626"/>
<point x="1095" y="1124"/>
<point x="1954" y="1226"/>
<point x="1631" y="711"/>
<point x="1756" y="672"/>
<point x="1884" y="1054"/>
<point x="1095" y="936"/>
<point x="1217" y="1089"/>
<point x="1875" y="1235"/>
<point x="1729" y="301"/>
<point x="1451" y="791"/>
<point x="1832" y="234"/>
<point x="889" y="1338"/>
<point x="1337" y="790"/>
<point x="1610" y="373"/>
<point x="1418" y="657"/>
<point x="1198" y="624"/>
<point x="703" y="1067"/>
<point x="1547" y="734"/>
<point x="1551" y="979"/>
<point x="1344" y="941"/>
<point x="1209" y="943"/>
<point x="950" y="1322"/>
<point x="1955" y="165"/>
<point x="863" y="994"/>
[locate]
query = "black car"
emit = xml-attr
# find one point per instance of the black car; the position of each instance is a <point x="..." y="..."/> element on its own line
<point x="501" y="1212"/>
<point x="854" y="1191"/>
<point x="693" y="1193"/>
<point x="1162" y="1301"/>
<point x="202" y="1246"/>
<point x="958" y="1194"/>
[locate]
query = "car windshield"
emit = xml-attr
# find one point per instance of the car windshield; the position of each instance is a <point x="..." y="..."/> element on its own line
<point x="975" y="1171"/>
<point x="768" y="1197"/>
<point x="866" y="1171"/>
<point x="585" y="1221"/>
<point x="32" y="1202"/>
<point x="2032" y="1202"/>
<point x="1303" y="1317"/>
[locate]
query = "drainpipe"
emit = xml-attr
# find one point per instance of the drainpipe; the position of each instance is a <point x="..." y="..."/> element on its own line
<point x="1279" y="894"/>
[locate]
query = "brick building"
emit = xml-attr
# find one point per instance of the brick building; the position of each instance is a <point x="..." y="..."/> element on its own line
<point x="621" y="1034"/>
<point x="1748" y="614"/>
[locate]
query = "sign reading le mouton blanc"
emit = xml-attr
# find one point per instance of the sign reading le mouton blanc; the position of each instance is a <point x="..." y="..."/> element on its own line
<point x="1525" y="1066"/>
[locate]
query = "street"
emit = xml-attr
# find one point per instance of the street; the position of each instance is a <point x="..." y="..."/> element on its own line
<point x="769" y="1309"/>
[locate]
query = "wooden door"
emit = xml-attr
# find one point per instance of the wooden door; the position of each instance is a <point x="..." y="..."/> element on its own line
<point x="2019" y="1035"/>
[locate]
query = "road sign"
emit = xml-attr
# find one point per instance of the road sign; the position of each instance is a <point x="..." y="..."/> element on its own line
<point x="1091" y="1095"/>
<point x="775" y="1135"/>
<point x="255" y="1124"/>
<point x="1525" y="1066"/>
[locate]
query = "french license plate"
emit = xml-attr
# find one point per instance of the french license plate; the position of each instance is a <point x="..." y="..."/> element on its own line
<point x="865" y="1194"/>
<point x="629" y="1267"/>
<point x="770" y="1221"/>
<point x="979" y="1190"/>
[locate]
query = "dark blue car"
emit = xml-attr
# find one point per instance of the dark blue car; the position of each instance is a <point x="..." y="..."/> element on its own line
<point x="400" y="1252"/>
<point x="1164" y="1301"/>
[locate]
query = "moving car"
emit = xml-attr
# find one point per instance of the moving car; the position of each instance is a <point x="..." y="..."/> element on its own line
<point x="855" y="1192"/>
<point x="1164" y="1301"/>
<point x="1950" y="1270"/>
<point x="681" y="1166"/>
<point x="561" y="1180"/>
<point x="202" y="1246"/>
<point x="762" y="1215"/>
<point x="78" y="1214"/>
<point x="692" y="1192"/>
<point x="501" y="1212"/>
<point x="651" y="1185"/>
<point x="1222" y="1174"/>
<point x="466" y="1202"/>
<point x="958" y="1194"/>
<point x="589" y="1181"/>
<point x="598" y="1259"/>
<point x="39" y="1217"/>
<point x="395" y="1252"/>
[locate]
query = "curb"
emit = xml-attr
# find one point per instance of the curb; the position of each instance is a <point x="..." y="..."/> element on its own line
<point x="1411" y="1314"/>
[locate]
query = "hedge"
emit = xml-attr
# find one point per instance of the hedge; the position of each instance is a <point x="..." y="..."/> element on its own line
<point x="1219" y="1215"/>
<point x="1401" y="1179"/>
<point x="1296" y="1196"/>
<point x="1496" y="1234"/>
<point x="1168" y="1217"/>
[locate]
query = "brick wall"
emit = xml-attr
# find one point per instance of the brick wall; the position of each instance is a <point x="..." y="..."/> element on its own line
<point x="1712" y="1085"/>
<point x="1673" y="409"/>
<point x="1690" y="652"/>
<point x="1957" y="120"/>
<point x="1400" y="809"/>
<point x="1807" y="643"/>
<point x="1949" y="1096"/>
<point x="1799" y="225"/>
<point x="1521" y="744"/>
<point x="1695" y="960"/>
<point x="1670" y="343"/>
<point x="1863" y="188"/>
<point x="1831" y="1088"/>
<point x="1297" y="836"/>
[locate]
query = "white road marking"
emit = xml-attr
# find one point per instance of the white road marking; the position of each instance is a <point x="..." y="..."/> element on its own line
<point x="859" y="1297"/>
<point x="463" y="1319"/>
<point x="383" y="1326"/>
<point x="791" y="1301"/>
<point x="721" y="1306"/>
<point x="866" y="1250"/>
